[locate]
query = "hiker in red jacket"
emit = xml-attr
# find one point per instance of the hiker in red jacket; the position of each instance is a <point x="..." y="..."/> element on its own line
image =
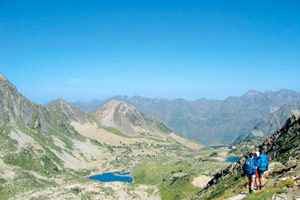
<point x="256" y="156"/>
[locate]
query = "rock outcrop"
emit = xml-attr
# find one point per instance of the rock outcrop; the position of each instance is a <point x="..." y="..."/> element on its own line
<point x="282" y="146"/>
<point x="267" y="126"/>
<point x="128" y="120"/>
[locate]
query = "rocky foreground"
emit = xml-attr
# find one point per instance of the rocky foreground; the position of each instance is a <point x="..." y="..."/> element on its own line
<point x="283" y="177"/>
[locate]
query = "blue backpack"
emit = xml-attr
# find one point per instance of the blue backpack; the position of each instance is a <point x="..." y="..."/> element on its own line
<point x="262" y="162"/>
<point x="249" y="166"/>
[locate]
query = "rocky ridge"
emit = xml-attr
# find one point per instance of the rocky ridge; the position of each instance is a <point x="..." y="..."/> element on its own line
<point x="267" y="126"/>
<point x="47" y="152"/>
<point x="223" y="120"/>
<point x="128" y="120"/>
<point x="68" y="112"/>
<point x="283" y="151"/>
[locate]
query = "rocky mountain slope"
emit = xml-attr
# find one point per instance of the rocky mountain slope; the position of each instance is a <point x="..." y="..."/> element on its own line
<point x="266" y="127"/>
<point x="129" y="120"/>
<point x="206" y="120"/>
<point x="38" y="149"/>
<point x="68" y="112"/>
<point x="283" y="176"/>
<point x="47" y="152"/>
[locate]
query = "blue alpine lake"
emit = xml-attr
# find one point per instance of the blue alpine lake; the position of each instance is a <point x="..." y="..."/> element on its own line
<point x="232" y="159"/>
<point x="216" y="147"/>
<point x="113" y="176"/>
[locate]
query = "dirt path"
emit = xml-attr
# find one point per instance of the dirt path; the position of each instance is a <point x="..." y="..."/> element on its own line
<point x="238" y="197"/>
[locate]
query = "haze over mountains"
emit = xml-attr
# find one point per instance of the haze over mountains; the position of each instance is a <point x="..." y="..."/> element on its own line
<point x="47" y="152"/>
<point x="267" y="126"/>
<point x="206" y="120"/>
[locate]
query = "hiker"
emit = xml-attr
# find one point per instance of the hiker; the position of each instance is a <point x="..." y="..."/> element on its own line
<point x="257" y="184"/>
<point x="249" y="169"/>
<point x="262" y="165"/>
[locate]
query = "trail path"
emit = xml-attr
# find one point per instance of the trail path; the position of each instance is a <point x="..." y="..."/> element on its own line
<point x="238" y="197"/>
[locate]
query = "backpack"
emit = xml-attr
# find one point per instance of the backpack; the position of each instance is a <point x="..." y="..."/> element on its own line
<point x="262" y="162"/>
<point x="249" y="166"/>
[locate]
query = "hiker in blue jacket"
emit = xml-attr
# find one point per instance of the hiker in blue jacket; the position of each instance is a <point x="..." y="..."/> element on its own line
<point x="262" y="165"/>
<point x="250" y="169"/>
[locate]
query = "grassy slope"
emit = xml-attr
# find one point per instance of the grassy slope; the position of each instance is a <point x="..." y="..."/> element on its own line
<point x="281" y="151"/>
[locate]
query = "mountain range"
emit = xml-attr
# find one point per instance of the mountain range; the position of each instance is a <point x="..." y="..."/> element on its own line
<point x="267" y="126"/>
<point x="207" y="121"/>
<point x="47" y="152"/>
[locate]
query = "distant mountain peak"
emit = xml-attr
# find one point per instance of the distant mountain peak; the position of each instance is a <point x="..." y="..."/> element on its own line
<point x="267" y="126"/>
<point x="68" y="111"/>
<point x="128" y="120"/>
<point x="2" y="77"/>
<point x="251" y="92"/>
<point x="58" y="101"/>
<point x="113" y="104"/>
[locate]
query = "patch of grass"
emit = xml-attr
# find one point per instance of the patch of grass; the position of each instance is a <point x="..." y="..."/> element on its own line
<point x="23" y="183"/>
<point x="95" y="142"/>
<point x="166" y="194"/>
<point x="265" y="194"/>
<point x="114" y="131"/>
<point x="156" y="139"/>
<point x="228" y="187"/>
<point x="76" y="190"/>
<point x="177" y="188"/>
<point x="7" y="143"/>
<point x="289" y="182"/>
<point x="88" y="195"/>
<point x="83" y="172"/>
<point x="171" y="186"/>
<point x="61" y="137"/>
<point x="29" y="160"/>
<point x="152" y="173"/>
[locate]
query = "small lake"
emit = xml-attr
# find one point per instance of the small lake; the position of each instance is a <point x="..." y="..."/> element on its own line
<point x="216" y="147"/>
<point x="113" y="176"/>
<point x="232" y="159"/>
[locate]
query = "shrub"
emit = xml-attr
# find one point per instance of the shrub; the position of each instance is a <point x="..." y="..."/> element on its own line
<point x="289" y="182"/>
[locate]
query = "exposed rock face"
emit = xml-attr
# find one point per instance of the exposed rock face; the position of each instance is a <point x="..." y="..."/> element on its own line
<point x="128" y="120"/>
<point x="206" y="120"/>
<point x="41" y="151"/>
<point x="69" y="112"/>
<point x="282" y="145"/>
<point x="269" y="125"/>
<point x="14" y="106"/>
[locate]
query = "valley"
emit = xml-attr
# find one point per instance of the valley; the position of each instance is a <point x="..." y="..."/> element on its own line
<point x="48" y="152"/>
<point x="149" y="100"/>
<point x="211" y="121"/>
<point x="51" y="151"/>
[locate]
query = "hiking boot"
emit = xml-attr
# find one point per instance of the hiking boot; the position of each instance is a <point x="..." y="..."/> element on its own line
<point x="250" y="191"/>
<point x="261" y="187"/>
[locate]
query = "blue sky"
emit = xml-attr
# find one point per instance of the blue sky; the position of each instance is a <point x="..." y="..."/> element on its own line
<point x="82" y="50"/>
